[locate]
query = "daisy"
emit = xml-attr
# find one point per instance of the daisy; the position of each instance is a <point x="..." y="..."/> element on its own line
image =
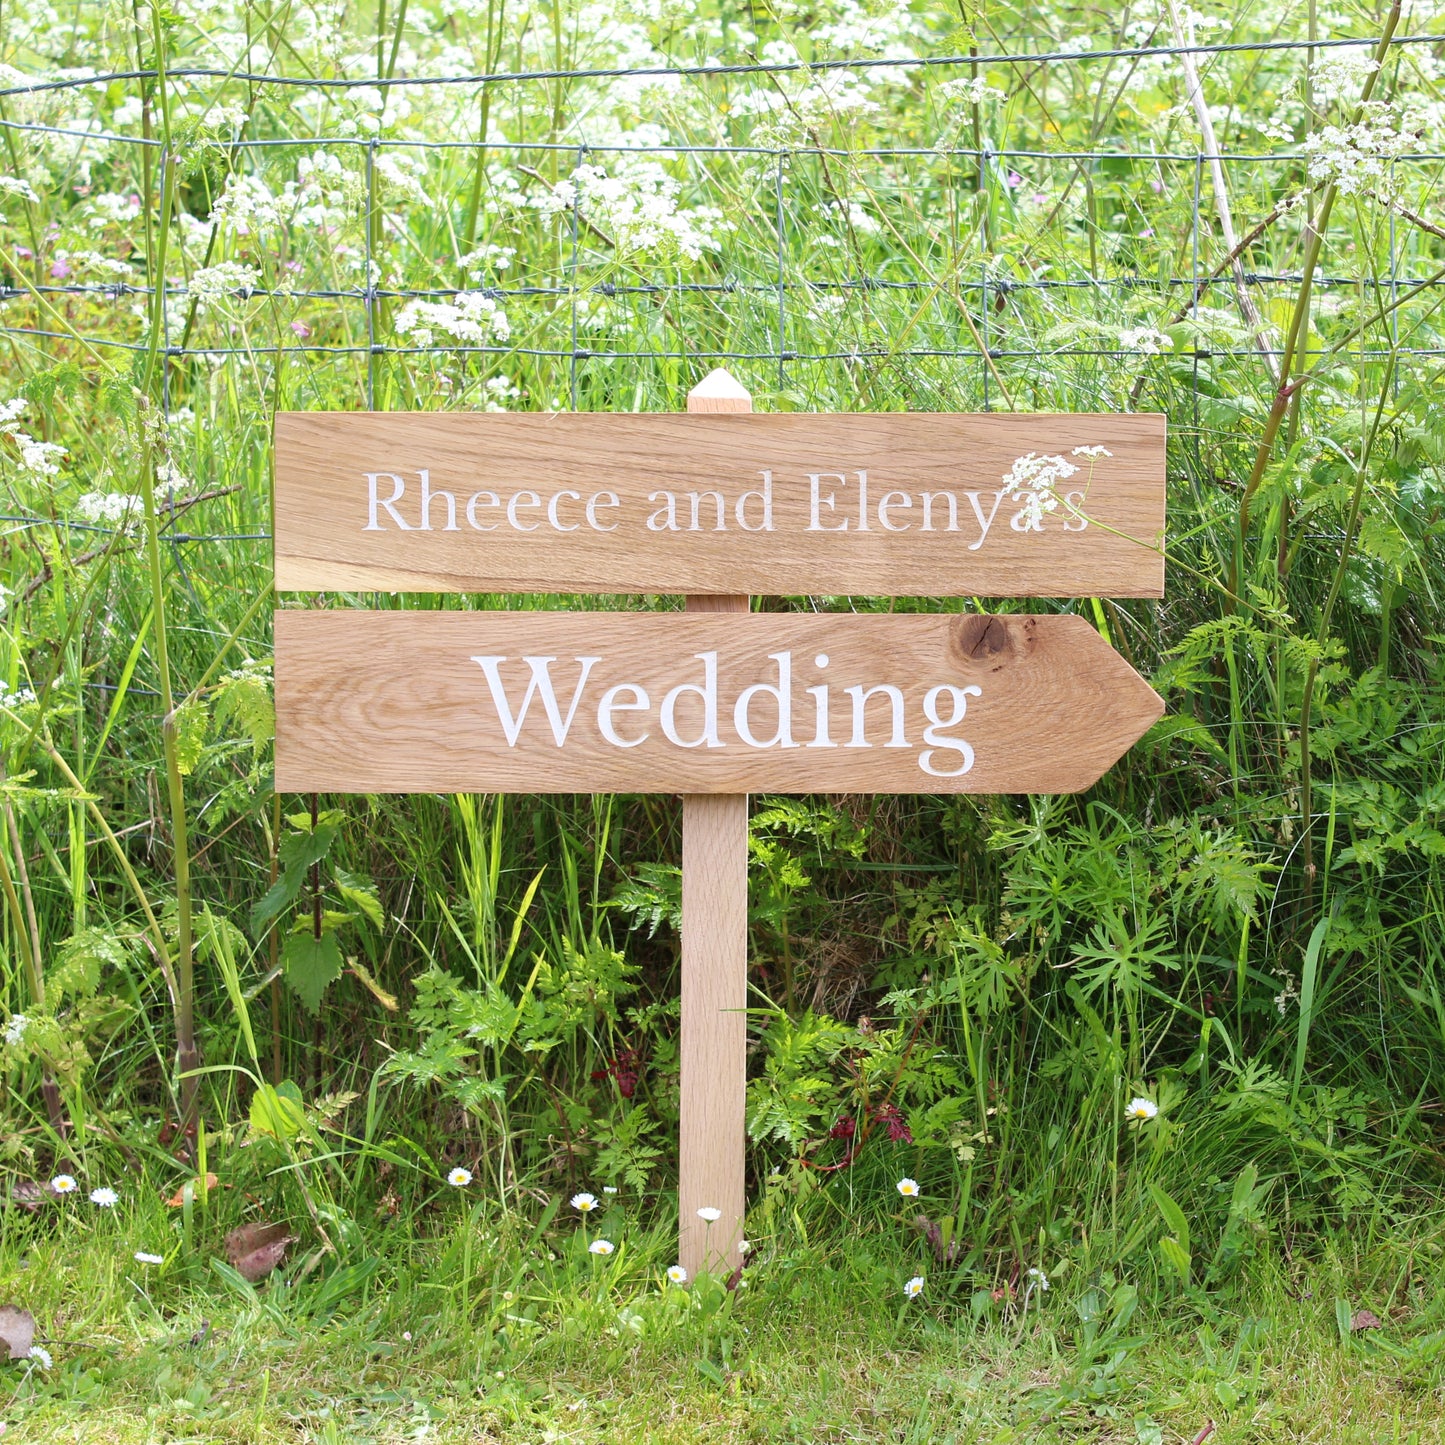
<point x="141" y="1257"/>
<point x="710" y="1215"/>
<point x="106" y="1198"/>
<point x="914" y="1287"/>
<point x="63" y="1184"/>
<point x="677" y="1274"/>
<point x="600" y="1246"/>
<point x="1141" y="1109"/>
<point x="908" y="1188"/>
<point x="459" y="1178"/>
<point x="585" y="1203"/>
<point x="41" y="1356"/>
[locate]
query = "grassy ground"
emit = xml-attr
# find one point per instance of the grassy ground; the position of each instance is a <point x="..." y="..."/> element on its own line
<point x="818" y="1346"/>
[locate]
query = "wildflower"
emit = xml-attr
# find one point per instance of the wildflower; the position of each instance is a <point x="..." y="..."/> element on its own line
<point x="1034" y="480"/>
<point x="709" y="1214"/>
<point x="1146" y="340"/>
<point x="914" y="1287"/>
<point x="677" y="1275"/>
<point x="459" y="1178"/>
<point x="1091" y="452"/>
<point x="15" y="1029"/>
<point x="211" y="285"/>
<point x="601" y="1246"/>
<point x="406" y="1335"/>
<point x="108" y="506"/>
<point x="105" y="1197"/>
<point x="475" y="317"/>
<point x="1039" y="1278"/>
<point x="908" y="1188"/>
<point x="1141" y="1109"/>
<point x="141" y="1257"/>
<point x="63" y="1184"/>
<point x="609" y="1189"/>
<point x="301" y="329"/>
<point x="584" y="1203"/>
<point x="743" y="1246"/>
<point x="41" y="1356"/>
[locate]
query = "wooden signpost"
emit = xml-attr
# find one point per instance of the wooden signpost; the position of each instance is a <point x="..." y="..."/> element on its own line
<point x="713" y="505"/>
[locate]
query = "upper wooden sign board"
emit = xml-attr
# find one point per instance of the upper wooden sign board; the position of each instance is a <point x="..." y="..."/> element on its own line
<point x="887" y="504"/>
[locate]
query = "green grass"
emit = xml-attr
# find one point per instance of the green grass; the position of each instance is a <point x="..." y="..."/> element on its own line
<point x="1241" y="922"/>
<point x="819" y="1346"/>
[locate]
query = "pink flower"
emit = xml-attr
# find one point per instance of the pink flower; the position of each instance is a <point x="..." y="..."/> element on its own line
<point x="301" y="329"/>
<point x="1014" y="180"/>
<point x="60" y="268"/>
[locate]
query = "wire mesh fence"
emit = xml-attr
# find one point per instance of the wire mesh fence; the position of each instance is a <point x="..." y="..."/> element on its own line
<point x="592" y="271"/>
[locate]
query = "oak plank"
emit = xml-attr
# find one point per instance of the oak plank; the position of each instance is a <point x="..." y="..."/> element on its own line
<point x="396" y="702"/>
<point x="713" y="1037"/>
<point x="508" y="499"/>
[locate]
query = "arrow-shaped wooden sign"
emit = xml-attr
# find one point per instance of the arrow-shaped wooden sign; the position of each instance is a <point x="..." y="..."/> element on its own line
<point x="576" y="702"/>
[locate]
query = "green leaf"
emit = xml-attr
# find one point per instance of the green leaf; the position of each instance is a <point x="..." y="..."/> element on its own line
<point x="245" y="700"/>
<point x="311" y="964"/>
<point x="360" y="893"/>
<point x="277" y="1111"/>
<point x="190" y="722"/>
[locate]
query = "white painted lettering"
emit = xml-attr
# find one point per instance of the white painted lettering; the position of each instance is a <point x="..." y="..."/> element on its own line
<point x="552" y="511"/>
<point x="1074" y="501"/>
<point x="594" y="502"/>
<point x="814" y="478"/>
<point x="783" y="694"/>
<point x="887" y="503"/>
<point x="863" y="501"/>
<point x="819" y="694"/>
<point x="984" y="522"/>
<point x="514" y="502"/>
<point x="720" y="523"/>
<point x="398" y="487"/>
<point x="664" y="519"/>
<point x="935" y="740"/>
<point x="860" y="696"/>
<point x="765" y="495"/>
<point x="708" y="693"/>
<point x="611" y="703"/>
<point x="473" y="502"/>
<point x="541" y="684"/>
<point x="929" y="498"/>
<point x="428" y="497"/>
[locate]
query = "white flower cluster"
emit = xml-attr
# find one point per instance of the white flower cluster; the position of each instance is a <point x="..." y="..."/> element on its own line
<point x="1341" y="74"/>
<point x="1033" y="480"/>
<point x="40" y="459"/>
<point x="247" y="205"/>
<point x="488" y="258"/>
<point x="102" y="507"/>
<point x="970" y="90"/>
<point x="18" y="697"/>
<point x="212" y="285"/>
<point x="111" y="208"/>
<point x="16" y="186"/>
<point x="499" y="390"/>
<point x="1357" y="158"/>
<point x="1146" y="340"/>
<point x="474" y="317"/>
<point x="838" y="95"/>
<point x="637" y="209"/>
<point x="15" y="1029"/>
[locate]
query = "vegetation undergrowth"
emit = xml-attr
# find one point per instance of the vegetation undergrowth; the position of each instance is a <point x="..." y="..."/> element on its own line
<point x="1173" y="1045"/>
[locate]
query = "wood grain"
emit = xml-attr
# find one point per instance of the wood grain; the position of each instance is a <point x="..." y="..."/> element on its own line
<point x="713" y="1042"/>
<point x="376" y="702"/>
<point x="524" y="478"/>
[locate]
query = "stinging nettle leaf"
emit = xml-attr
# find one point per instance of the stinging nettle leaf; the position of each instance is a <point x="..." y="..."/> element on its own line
<point x="311" y="965"/>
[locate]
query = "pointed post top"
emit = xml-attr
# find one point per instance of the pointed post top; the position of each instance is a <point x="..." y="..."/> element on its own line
<point x="719" y="390"/>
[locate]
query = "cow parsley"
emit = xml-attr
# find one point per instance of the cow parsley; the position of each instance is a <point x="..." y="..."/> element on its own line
<point x="474" y="318"/>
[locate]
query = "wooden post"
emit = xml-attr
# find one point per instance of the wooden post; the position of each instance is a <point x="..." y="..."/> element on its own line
<point x="713" y="1123"/>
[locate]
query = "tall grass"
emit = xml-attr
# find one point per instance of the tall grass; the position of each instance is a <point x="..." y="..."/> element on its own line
<point x="1239" y="924"/>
